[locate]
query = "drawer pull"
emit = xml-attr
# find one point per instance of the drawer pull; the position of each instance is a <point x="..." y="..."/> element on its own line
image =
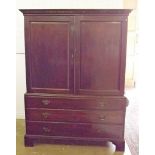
<point x="102" y="118"/>
<point x="102" y="104"/>
<point x="46" y="129"/>
<point x="45" y="114"/>
<point x="46" y="102"/>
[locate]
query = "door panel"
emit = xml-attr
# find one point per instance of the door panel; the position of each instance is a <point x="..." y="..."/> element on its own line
<point x="99" y="56"/>
<point x="51" y="68"/>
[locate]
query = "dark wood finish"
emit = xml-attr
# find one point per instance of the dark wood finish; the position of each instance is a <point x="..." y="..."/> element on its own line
<point x="69" y="140"/>
<point x="112" y="12"/>
<point x="120" y="145"/>
<point x="99" y="46"/>
<point x="100" y="55"/>
<point x="75" y="102"/>
<point x="28" y="141"/>
<point x="48" y="56"/>
<point x="74" y="129"/>
<point x="83" y="116"/>
<point x="75" y="71"/>
<point x="96" y="71"/>
<point x="49" y="64"/>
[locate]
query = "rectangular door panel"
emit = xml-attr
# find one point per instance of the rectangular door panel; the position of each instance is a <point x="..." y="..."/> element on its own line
<point x="99" y="63"/>
<point x="50" y="55"/>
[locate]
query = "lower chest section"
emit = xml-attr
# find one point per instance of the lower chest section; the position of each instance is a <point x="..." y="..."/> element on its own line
<point x="75" y="116"/>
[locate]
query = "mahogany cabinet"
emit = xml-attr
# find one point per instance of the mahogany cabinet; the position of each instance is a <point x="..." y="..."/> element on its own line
<point x="75" y="70"/>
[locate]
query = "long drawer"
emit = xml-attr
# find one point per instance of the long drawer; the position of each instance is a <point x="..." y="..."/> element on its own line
<point x="74" y="103"/>
<point x="63" y="115"/>
<point x="74" y="129"/>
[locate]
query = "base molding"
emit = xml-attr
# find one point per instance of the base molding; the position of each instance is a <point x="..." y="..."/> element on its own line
<point x="31" y="140"/>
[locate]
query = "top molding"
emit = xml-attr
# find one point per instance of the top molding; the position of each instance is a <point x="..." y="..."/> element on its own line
<point x="76" y="11"/>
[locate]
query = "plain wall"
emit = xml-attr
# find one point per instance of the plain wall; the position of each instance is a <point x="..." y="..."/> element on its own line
<point x="45" y="4"/>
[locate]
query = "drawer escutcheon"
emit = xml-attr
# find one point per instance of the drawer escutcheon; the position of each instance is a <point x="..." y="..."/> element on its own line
<point x="45" y="114"/>
<point x="45" y="102"/>
<point x="46" y="129"/>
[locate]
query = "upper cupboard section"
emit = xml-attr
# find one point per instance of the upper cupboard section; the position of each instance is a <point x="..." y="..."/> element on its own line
<point x="76" y="51"/>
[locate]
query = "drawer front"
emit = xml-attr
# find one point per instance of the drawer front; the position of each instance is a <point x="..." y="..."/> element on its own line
<point x="55" y="103"/>
<point x="74" y="129"/>
<point x="81" y="116"/>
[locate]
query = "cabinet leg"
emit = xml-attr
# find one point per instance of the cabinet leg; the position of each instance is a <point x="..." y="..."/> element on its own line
<point x="28" y="142"/>
<point x="120" y="145"/>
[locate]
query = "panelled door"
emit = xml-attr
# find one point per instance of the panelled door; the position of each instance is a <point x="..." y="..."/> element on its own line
<point x="100" y="55"/>
<point x="49" y="47"/>
<point x="75" y="54"/>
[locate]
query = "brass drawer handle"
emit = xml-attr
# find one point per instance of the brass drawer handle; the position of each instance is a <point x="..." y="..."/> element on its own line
<point x="45" y="102"/>
<point x="46" y="129"/>
<point x="102" y="104"/>
<point x="45" y="114"/>
<point x="102" y="118"/>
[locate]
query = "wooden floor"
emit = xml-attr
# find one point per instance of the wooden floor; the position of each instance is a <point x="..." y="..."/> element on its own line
<point x="131" y="124"/>
<point x="50" y="149"/>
